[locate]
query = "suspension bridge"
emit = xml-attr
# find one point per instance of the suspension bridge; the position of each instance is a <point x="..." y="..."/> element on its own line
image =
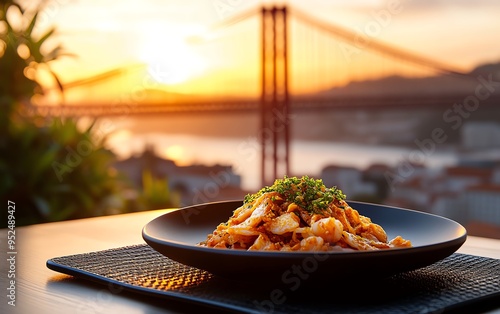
<point x="296" y="51"/>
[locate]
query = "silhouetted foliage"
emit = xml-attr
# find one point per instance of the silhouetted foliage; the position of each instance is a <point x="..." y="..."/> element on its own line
<point x="50" y="167"/>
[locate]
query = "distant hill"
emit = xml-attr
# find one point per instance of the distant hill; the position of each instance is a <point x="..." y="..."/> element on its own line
<point x="434" y="85"/>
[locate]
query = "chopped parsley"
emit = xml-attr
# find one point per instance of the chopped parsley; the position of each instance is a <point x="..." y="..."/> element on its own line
<point x="310" y="194"/>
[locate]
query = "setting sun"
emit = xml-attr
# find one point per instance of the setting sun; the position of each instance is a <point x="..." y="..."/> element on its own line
<point x="170" y="60"/>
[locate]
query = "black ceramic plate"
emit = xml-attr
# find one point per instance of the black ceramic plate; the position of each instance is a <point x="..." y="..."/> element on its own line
<point x="177" y="233"/>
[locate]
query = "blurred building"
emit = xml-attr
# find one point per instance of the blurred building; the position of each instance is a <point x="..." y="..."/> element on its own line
<point x="469" y="195"/>
<point x="480" y="135"/>
<point x="349" y="180"/>
<point x="194" y="184"/>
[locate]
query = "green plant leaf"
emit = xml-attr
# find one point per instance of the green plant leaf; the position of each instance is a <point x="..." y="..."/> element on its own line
<point x="31" y="26"/>
<point x="44" y="162"/>
<point x="36" y="46"/>
<point x="58" y="82"/>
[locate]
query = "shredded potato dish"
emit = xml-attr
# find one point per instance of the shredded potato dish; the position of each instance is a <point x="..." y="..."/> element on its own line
<point x="299" y="214"/>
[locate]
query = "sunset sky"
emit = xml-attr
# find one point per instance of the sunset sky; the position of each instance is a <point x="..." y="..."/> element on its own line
<point x="175" y="46"/>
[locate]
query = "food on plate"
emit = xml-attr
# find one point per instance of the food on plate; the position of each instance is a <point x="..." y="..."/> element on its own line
<point x="300" y="214"/>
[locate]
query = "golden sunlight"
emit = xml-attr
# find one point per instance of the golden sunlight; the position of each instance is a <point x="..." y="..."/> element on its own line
<point x="170" y="60"/>
<point x="175" y="153"/>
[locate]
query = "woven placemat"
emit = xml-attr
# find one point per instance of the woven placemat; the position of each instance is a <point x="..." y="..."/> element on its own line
<point x="457" y="282"/>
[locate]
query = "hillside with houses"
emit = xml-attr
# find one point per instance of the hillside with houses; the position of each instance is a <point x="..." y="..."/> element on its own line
<point x="468" y="193"/>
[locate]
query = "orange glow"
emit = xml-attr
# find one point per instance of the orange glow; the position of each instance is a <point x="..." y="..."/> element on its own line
<point x="175" y="153"/>
<point x="170" y="59"/>
<point x="182" y="54"/>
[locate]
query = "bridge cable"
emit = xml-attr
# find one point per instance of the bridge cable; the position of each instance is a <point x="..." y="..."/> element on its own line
<point x="352" y="38"/>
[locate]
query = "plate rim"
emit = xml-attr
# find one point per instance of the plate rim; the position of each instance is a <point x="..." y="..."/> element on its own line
<point x="458" y="240"/>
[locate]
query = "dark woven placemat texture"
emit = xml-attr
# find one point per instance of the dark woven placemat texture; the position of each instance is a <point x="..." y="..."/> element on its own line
<point x="454" y="282"/>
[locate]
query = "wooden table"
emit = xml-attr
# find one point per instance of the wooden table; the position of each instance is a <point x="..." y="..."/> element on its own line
<point x="40" y="290"/>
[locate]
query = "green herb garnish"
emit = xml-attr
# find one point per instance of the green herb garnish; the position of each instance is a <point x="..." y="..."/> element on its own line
<point x="310" y="194"/>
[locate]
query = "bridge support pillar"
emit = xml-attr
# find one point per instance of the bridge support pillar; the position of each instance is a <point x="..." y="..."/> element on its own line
<point x="274" y="107"/>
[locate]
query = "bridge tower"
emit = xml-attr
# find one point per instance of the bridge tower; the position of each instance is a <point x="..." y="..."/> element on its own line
<point x="274" y="104"/>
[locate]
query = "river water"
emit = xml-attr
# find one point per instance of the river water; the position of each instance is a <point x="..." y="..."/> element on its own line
<point x="130" y="135"/>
